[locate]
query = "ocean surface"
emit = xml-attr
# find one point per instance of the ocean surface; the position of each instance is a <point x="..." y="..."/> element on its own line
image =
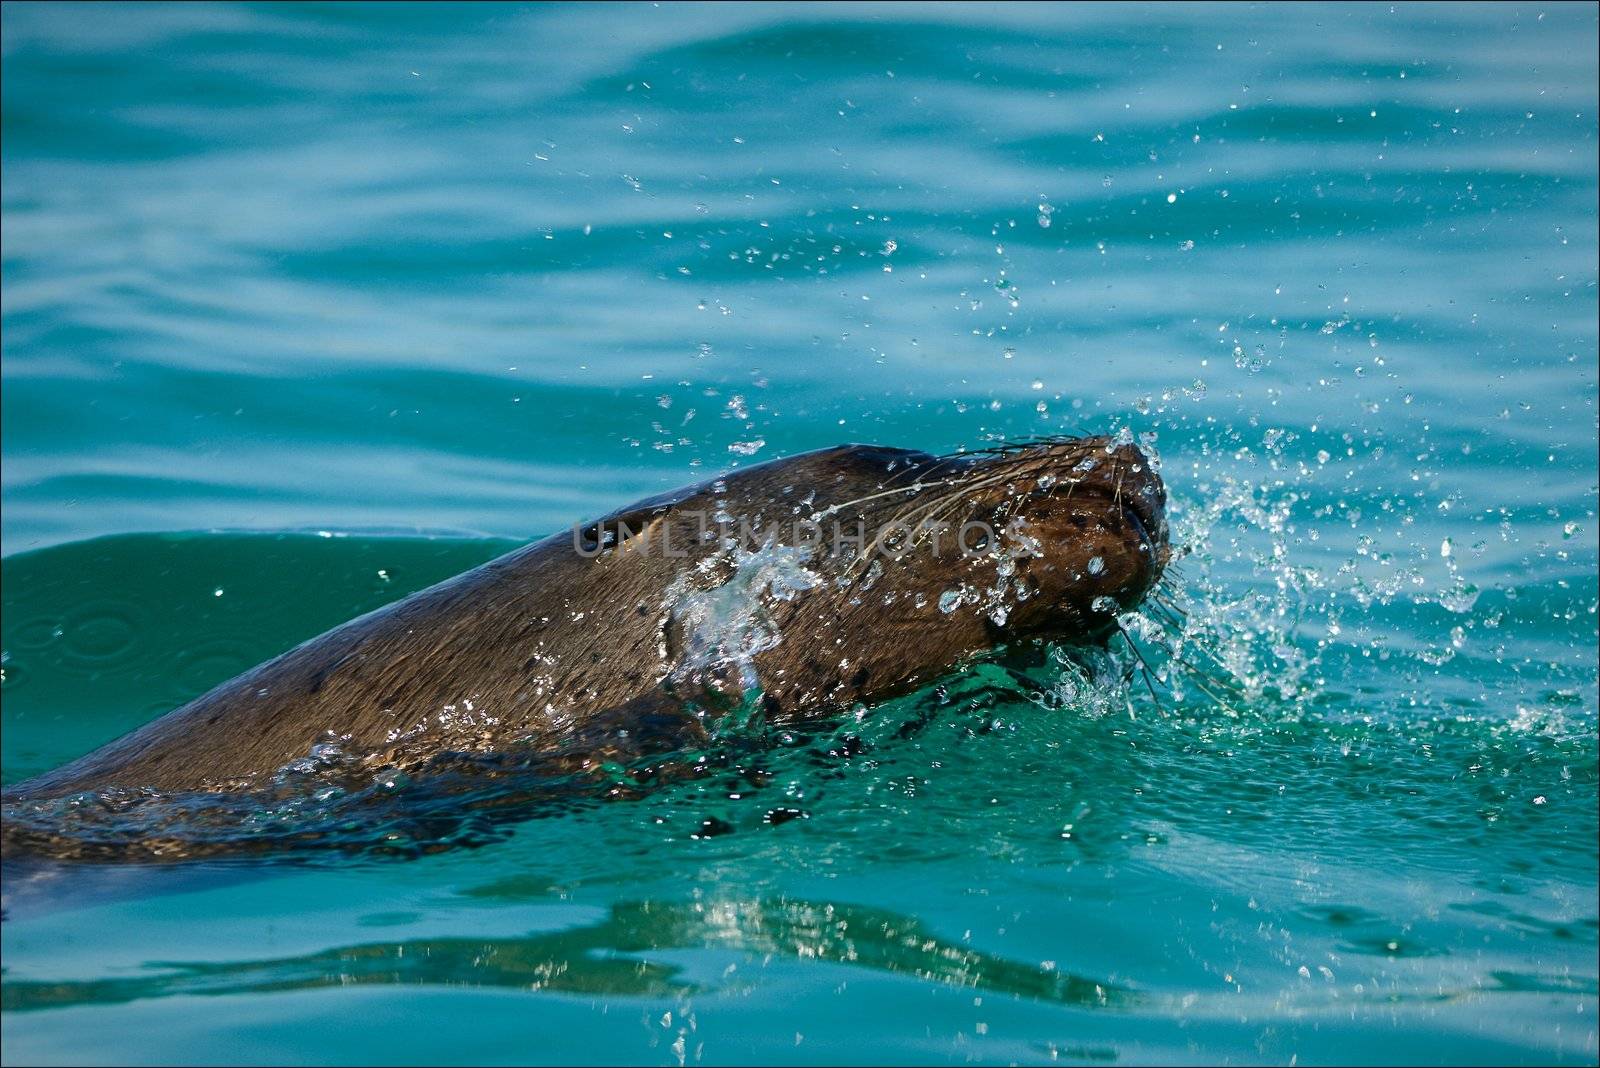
<point x="306" y="307"/>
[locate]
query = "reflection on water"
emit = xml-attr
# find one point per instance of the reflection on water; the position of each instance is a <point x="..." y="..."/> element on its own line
<point x="104" y="634"/>
<point x="613" y="957"/>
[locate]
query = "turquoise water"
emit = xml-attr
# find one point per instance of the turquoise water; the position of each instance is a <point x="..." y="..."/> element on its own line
<point x="307" y="307"/>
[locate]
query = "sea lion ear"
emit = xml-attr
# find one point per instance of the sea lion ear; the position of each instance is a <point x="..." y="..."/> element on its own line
<point x="624" y="524"/>
<point x="616" y="530"/>
<point x="619" y="528"/>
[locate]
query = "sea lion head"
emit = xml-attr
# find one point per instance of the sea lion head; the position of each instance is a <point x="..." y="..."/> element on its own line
<point x="1054" y="538"/>
<point x="1074" y="529"/>
<point x="849" y="573"/>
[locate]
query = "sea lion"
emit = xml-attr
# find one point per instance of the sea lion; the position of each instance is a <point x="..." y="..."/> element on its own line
<point x="806" y="585"/>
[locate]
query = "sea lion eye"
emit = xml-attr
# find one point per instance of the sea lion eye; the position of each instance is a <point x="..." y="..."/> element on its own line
<point x="617" y="530"/>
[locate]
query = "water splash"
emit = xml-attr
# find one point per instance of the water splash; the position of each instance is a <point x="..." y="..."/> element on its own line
<point x="728" y="625"/>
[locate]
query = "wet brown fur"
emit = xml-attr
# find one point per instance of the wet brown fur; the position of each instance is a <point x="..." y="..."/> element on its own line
<point x="554" y="650"/>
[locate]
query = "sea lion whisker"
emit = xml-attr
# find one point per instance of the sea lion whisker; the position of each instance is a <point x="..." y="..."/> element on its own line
<point x="1047" y="441"/>
<point x="942" y="504"/>
<point x="823" y="513"/>
<point x="921" y="520"/>
<point x="1144" y="665"/>
<point x="920" y="529"/>
<point x="1168" y="593"/>
<point x="939" y="510"/>
<point x="1200" y="681"/>
<point x="1203" y="650"/>
<point x="939" y="464"/>
<point x="1165" y="618"/>
<point x="1158" y="597"/>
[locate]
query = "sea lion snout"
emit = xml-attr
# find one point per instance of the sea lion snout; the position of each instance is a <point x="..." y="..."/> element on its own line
<point x="1130" y="478"/>
<point x="1096" y="506"/>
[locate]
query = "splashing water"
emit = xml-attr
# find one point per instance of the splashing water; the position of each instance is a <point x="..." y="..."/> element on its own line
<point x="729" y="624"/>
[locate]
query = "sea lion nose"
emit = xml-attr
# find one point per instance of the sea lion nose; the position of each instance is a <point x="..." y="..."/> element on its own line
<point x="1114" y="461"/>
<point x="1124" y="471"/>
<point x="1139" y="473"/>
